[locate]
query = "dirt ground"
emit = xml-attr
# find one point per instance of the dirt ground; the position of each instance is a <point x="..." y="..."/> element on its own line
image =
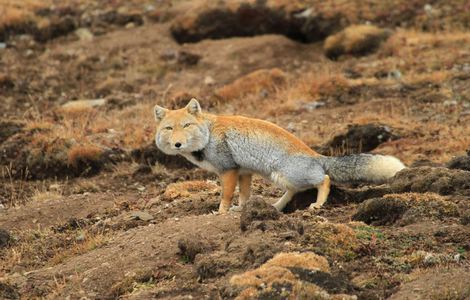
<point x="91" y="209"/>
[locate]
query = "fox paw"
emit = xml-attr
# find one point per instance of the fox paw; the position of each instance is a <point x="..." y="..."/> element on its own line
<point x="236" y="208"/>
<point x="223" y="210"/>
<point x="314" y="206"/>
<point x="279" y="209"/>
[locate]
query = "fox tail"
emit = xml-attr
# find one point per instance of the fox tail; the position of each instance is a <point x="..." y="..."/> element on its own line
<point x="361" y="167"/>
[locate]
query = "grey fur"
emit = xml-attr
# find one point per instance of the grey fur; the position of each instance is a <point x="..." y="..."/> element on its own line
<point x="357" y="167"/>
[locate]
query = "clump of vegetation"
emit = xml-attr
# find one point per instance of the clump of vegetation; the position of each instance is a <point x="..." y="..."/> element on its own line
<point x="355" y="40"/>
<point x="285" y="276"/>
<point x="260" y="82"/>
<point x="331" y="239"/>
<point x="405" y="208"/>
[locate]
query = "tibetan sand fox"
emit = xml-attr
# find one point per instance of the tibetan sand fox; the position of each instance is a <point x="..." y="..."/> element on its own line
<point x="236" y="147"/>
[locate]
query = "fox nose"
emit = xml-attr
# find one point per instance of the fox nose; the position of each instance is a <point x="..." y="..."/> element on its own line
<point x="177" y="145"/>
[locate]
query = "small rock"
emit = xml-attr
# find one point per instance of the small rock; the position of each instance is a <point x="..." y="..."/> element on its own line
<point x="450" y="103"/>
<point x="264" y="93"/>
<point x="141" y="215"/>
<point x="130" y="25"/>
<point x="208" y="80"/>
<point x="84" y="34"/>
<point x="149" y="8"/>
<point x="3" y="45"/>
<point x="314" y="105"/>
<point x="304" y="14"/>
<point x="428" y="9"/>
<point x="80" y="237"/>
<point x="141" y="188"/>
<point x="395" y="74"/>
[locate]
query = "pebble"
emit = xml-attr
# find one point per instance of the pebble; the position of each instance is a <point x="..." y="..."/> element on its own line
<point x="80" y="237"/>
<point x="208" y="80"/>
<point x="3" y="45"/>
<point x="84" y="34"/>
<point x="142" y="215"/>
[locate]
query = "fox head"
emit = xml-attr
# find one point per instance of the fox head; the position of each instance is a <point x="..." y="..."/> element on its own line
<point x="181" y="131"/>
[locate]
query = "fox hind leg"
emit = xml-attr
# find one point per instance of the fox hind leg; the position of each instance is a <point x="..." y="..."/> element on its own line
<point x="286" y="198"/>
<point x="228" y="181"/>
<point x="244" y="185"/>
<point x="323" y="191"/>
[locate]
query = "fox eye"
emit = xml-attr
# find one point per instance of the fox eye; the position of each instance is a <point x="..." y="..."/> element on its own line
<point x="187" y="125"/>
<point x="168" y="128"/>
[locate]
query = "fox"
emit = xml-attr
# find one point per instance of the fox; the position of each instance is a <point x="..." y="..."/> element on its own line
<point x="237" y="147"/>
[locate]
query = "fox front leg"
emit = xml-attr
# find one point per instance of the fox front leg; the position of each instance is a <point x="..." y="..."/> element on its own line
<point x="244" y="185"/>
<point x="228" y="180"/>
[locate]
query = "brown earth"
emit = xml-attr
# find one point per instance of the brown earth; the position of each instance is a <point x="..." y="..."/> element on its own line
<point x="90" y="208"/>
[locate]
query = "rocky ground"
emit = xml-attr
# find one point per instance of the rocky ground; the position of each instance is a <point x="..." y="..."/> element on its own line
<point x="90" y="209"/>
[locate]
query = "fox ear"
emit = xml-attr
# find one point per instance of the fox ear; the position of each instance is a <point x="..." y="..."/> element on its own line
<point x="159" y="112"/>
<point x="193" y="107"/>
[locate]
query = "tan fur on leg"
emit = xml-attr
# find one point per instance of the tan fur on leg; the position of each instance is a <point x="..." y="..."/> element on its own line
<point x="244" y="184"/>
<point x="323" y="191"/>
<point x="286" y="198"/>
<point x="229" y="181"/>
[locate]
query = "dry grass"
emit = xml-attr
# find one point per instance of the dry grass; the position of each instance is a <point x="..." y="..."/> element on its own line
<point x="46" y="195"/>
<point x="334" y="240"/>
<point x="90" y="242"/>
<point x="19" y="12"/>
<point x="305" y="260"/>
<point x="355" y="40"/>
<point x="276" y="271"/>
<point x="83" y="153"/>
<point x="37" y="248"/>
<point x="253" y="83"/>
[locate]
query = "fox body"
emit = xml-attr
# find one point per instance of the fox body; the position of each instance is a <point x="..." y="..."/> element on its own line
<point x="236" y="147"/>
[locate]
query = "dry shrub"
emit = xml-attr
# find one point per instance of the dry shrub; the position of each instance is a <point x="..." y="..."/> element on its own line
<point x="355" y="40"/>
<point x="264" y="274"/>
<point x="90" y="242"/>
<point x="393" y="45"/>
<point x="332" y="85"/>
<point x="81" y="153"/>
<point x="16" y="12"/>
<point x="305" y="260"/>
<point x="253" y="83"/>
<point x="335" y="240"/>
<point x="275" y="269"/>
<point x="46" y="195"/>
<point x="437" y="77"/>
<point x="268" y="279"/>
